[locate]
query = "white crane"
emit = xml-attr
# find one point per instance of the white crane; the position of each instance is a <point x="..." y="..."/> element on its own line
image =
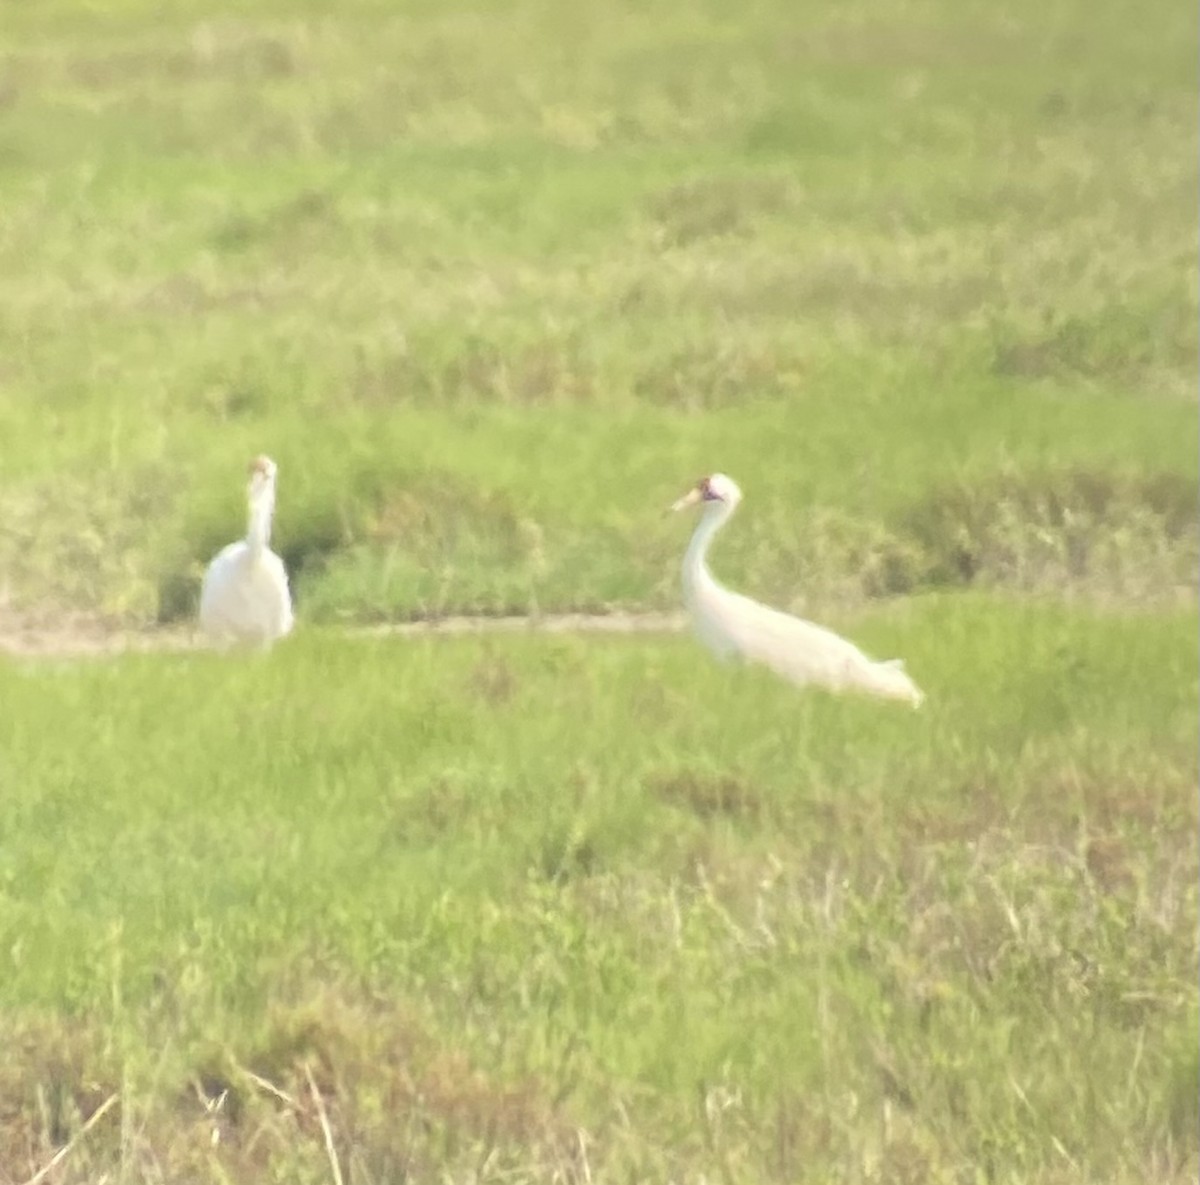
<point x="245" y="598"/>
<point x="733" y="625"/>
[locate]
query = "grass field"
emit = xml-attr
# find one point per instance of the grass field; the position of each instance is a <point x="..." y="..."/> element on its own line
<point x="494" y="282"/>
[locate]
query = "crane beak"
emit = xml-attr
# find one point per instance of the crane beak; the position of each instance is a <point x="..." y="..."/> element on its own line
<point x="689" y="499"/>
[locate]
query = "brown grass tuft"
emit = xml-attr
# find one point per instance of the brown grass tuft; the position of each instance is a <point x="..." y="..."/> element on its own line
<point x="709" y="795"/>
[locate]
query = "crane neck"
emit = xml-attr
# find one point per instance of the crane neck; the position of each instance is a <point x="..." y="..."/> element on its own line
<point x="695" y="566"/>
<point x="262" y="509"/>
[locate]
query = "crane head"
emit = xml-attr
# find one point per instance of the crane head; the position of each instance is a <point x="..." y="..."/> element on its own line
<point x="262" y="470"/>
<point x="717" y="488"/>
<point x="262" y="477"/>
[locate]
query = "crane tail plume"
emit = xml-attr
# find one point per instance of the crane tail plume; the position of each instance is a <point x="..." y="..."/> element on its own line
<point x="889" y="680"/>
<point x="842" y="667"/>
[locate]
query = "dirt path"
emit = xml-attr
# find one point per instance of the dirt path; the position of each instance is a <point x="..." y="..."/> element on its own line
<point x="79" y="637"/>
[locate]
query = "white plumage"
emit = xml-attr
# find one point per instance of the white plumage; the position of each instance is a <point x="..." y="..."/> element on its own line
<point x="733" y="625"/>
<point x="245" y="597"/>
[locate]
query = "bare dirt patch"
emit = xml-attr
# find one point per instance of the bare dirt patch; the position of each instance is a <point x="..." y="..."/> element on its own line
<point x="78" y="635"/>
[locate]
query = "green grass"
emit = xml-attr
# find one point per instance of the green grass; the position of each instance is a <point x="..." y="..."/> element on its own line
<point x="515" y="897"/>
<point x="494" y="282"/>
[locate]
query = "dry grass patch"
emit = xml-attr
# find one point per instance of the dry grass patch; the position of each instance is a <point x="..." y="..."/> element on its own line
<point x="709" y="794"/>
<point x="355" y="1073"/>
